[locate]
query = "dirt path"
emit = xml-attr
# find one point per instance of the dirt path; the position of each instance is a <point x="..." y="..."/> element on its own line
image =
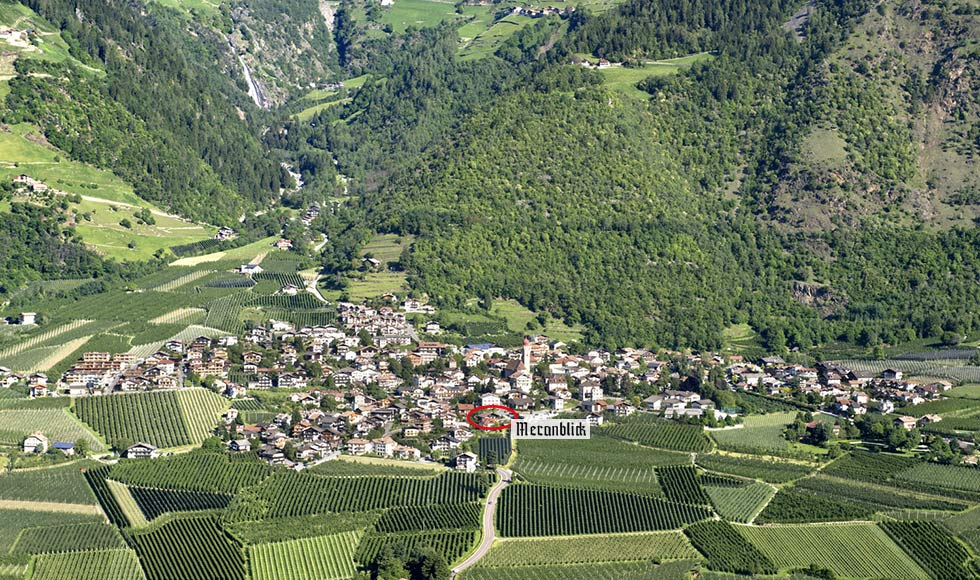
<point x="489" y="533"/>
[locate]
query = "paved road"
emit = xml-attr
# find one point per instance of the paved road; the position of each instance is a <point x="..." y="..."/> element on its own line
<point x="489" y="533"/>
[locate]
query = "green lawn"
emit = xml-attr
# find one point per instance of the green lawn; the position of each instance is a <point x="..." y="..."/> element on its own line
<point x="104" y="232"/>
<point x="623" y="79"/>
<point x="418" y="13"/>
<point x="517" y="317"/>
<point x="387" y="247"/>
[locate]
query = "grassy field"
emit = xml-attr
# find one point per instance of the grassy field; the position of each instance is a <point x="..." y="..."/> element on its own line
<point x="517" y="317"/>
<point x="24" y="150"/>
<point x="624" y="79"/>
<point x="127" y="503"/>
<point x="843" y="549"/>
<point x="739" y="339"/>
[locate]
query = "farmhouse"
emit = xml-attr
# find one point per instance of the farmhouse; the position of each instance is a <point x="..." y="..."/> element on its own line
<point x="35" y="443"/>
<point x="142" y="451"/>
<point x="466" y="462"/>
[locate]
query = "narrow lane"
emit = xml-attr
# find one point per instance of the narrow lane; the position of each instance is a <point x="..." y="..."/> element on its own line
<point x="489" y="532"/>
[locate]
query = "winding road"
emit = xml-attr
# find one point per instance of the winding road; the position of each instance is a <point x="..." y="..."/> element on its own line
<point x="489" y="533"/>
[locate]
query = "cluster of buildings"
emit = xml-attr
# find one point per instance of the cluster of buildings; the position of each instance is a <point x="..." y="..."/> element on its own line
<point x="533" y="12"/>
<point x="839" y="390"/>
<point x="313" y="211"/>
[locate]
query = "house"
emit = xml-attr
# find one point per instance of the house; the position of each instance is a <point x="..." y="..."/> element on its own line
<point x="65" y="447"/>
<point x="225" y="233"/>
<point x="489" y="399"/>
<point x="892" y="375"/>
<point x="905" y="421"/>
<point x="930" y="418"/>
<point x="466" y="462"/>
<point x="36" y="443"/>
<point x="249" y="269"/>
<point x="359" y="446"/>
<point x="240" y="446"/>
<point x="595" y="419"/>
<point x="384" y="446"/>
<point x="28" y="317"/>
<point x="142" y="451"/>
<point x="284" y="244"/>
<point x="407" y="453"/>
<point x="371" y="263"/>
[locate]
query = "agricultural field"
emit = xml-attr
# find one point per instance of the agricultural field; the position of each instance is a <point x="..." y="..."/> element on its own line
<point x="756" y="468"/>
<point x="294" y="494"/>
<point x="130" y="511"/>
<point x="681" y="484"/>
<point x="195" y="471"/>
<point x="792" y="506"/>
<point x="494" y="450"/>
<point x="465" y="516"/>
<point x="62" y="483"/>
<point x="96" y="479"/>
<point x="660" y="546"/>
<point x="156" y="502"/>
<point x="727" y="550"/>
<point x="760" y="434"/>
<point x="534" y="510"/>
<point x="871" y="467"/>
<point x="654" y="432"/>
<point x="596" y="463"/>
<point x="933" y="547"/>
<point x="191" y="548"/>
<point x="948" y="477"/>
<point x="14" y="521"/>
<point x="451" y="544"/>
<point x="874" y="495"/>
<point x="118" y="564"/>
<point x="613" y="571"/>
<point x="955" y="369"/>
<point x="68" y="538"/>
<point x="321" y="558"/>
<point x="164" y="419"/>
<point x="740" y="504"/>
<point x="56" y="424"/>
<point x="624" y="79"/>
<point x="842" y="548"/>
<point x="277" y="530"/>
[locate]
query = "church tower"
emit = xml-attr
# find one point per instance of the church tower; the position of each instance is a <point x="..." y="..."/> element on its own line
<point x="526" y="356"/>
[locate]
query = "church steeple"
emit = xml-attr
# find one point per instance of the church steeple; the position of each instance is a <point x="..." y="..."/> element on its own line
<point x="526" y="356"/>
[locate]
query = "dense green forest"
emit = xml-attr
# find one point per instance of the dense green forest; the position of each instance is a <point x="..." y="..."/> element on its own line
<point x="629" y="216"/>
<point x="811" y="180"/>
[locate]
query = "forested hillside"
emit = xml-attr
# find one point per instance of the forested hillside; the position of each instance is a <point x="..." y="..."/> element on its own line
<point x="808" y="170"/>
<point x="162" y="117"/>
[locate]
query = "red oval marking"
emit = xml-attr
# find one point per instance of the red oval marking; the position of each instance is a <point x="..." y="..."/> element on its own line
<point x="469" y="417"/>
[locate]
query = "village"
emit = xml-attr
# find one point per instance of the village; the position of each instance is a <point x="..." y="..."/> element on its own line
<point x="377" y="385"/>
